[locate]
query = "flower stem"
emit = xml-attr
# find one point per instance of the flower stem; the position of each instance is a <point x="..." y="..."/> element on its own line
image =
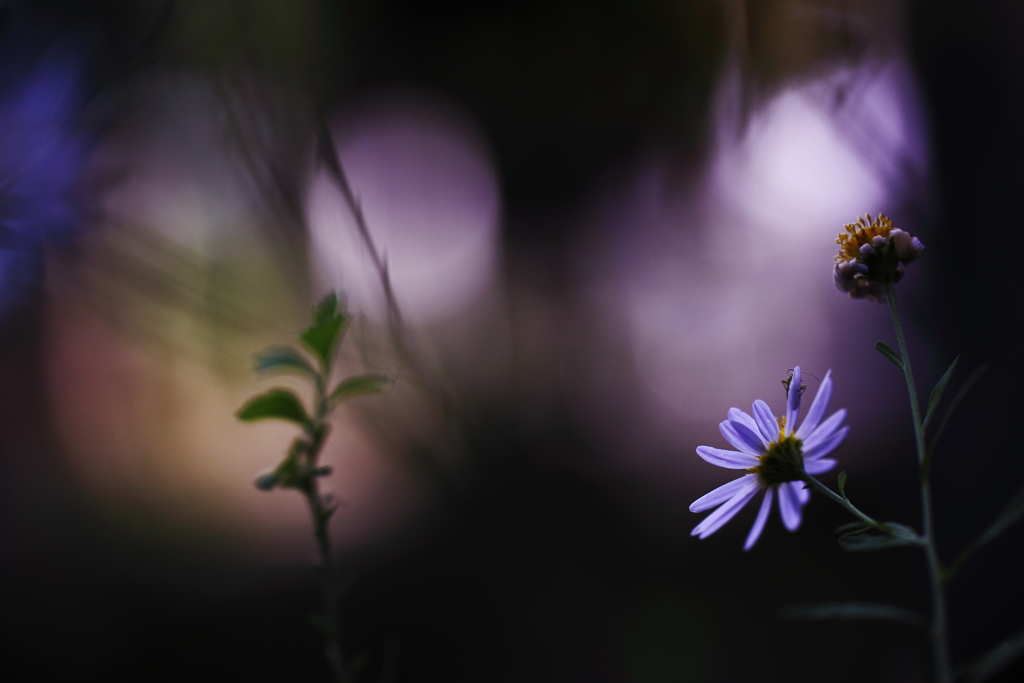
<point x="328" y="586"/>
<point x="890" y="292"/>
<point x="832" y="495"/>
<point x="321" y="513"/>
<point x="940" y="647"/>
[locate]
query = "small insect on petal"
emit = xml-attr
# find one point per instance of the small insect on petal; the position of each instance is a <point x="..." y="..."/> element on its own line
<point x="777" y="458"/>
<point x="793" y="400"/>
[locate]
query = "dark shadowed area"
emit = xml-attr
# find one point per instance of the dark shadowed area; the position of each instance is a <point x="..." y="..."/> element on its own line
<point x="573" y="235"/>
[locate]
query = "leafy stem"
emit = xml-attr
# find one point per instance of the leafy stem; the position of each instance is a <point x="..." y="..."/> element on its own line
<point x="845" y="502"/>
<point x="940" y="647"/>
<point x="321" y="511"/>
<point x="856" y="539"/>
<point x="300" y="468"/>
<point x="1010" y="515"/>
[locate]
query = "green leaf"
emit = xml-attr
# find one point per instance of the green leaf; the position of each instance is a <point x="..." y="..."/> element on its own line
<point x="997" y="659"/>
<point x="887" y="351"/>
<point x="964" y="388"/>
<point x="873" y="539"/>
<point x="1013" y="511"/>
<point x="849" y="526"/>
<point x="852" y="610"/>
<point x="357" y="385"/>
<point x="936" y="395"/>
<point x="322" y="337"/>
<point x="277" y="403"/>
<point x="283" y="359"/>
<point x="288" y="473"/>
<point x="903" y="531"/>
<point x="268" y="481"/>
<point x="326" y="310"/>
<point x="842" y="484"/>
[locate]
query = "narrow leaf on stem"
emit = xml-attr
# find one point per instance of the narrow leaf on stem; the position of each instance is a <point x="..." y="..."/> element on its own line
<point x="283" y="359"/>
<point x="358" y="385"/>
<point x="279" y="404"/>
<point x="1013" y="511"/>
<point x="887" y="351"/>
<point x="936" y="395"/>
<point x="898" y="535"/>
<point x="997" y="659"/>
<point x="960" y="394"/>
<point x="842" y="484"/>
<point x="326" y="310"/>
<point x="322" y="338"/>
<point x="852" y="610"/>
<point x="268" y="481"/>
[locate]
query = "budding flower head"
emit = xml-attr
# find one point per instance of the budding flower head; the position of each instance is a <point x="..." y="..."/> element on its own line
<point x="872" y="254"/>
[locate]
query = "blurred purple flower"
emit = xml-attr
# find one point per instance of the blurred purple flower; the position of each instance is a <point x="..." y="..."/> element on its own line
<point x="42" y="157"/>
<point x="775" y="455"/>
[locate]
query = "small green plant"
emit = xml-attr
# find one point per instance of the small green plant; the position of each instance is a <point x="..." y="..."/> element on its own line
<point x="300" y="469"/>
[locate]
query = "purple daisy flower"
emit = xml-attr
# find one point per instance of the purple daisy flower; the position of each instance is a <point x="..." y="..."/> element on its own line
<point x="775" y="455"/>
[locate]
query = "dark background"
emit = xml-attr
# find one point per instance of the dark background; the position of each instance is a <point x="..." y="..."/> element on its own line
<point x="539" y="571"/>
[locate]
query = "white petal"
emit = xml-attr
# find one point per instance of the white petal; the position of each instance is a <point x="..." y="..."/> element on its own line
<point x="741" y="438"/>
<point x="825" y="429"/>
<point x="723" y="514"/>
<point x="818" y="407"/>
<point x="819" y="466"/>
<point x="730" y="460"/>
<point x="825" y="447"/>
<point x="793" y="400"/>
<point x="720" y="495"/>
<point x="737" y="415"/>
<point x="766" y="422"/>
<point x="789" y="506"/>
<point x="762" y="517"/>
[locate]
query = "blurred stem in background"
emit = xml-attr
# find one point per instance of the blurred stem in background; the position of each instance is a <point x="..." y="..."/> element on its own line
<point x="300" y="468"/>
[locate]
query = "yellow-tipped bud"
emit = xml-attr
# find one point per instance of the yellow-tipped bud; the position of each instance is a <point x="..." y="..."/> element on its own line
<point x="872" y="254"/>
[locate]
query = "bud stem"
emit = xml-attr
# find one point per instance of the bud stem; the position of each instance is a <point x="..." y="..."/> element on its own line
<point x="321" y="513"/>
<point x="940" y="647"/>
<point x="842" y="500"/>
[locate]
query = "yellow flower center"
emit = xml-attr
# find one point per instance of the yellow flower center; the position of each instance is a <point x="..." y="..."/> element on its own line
<point x="860" y="233"/>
